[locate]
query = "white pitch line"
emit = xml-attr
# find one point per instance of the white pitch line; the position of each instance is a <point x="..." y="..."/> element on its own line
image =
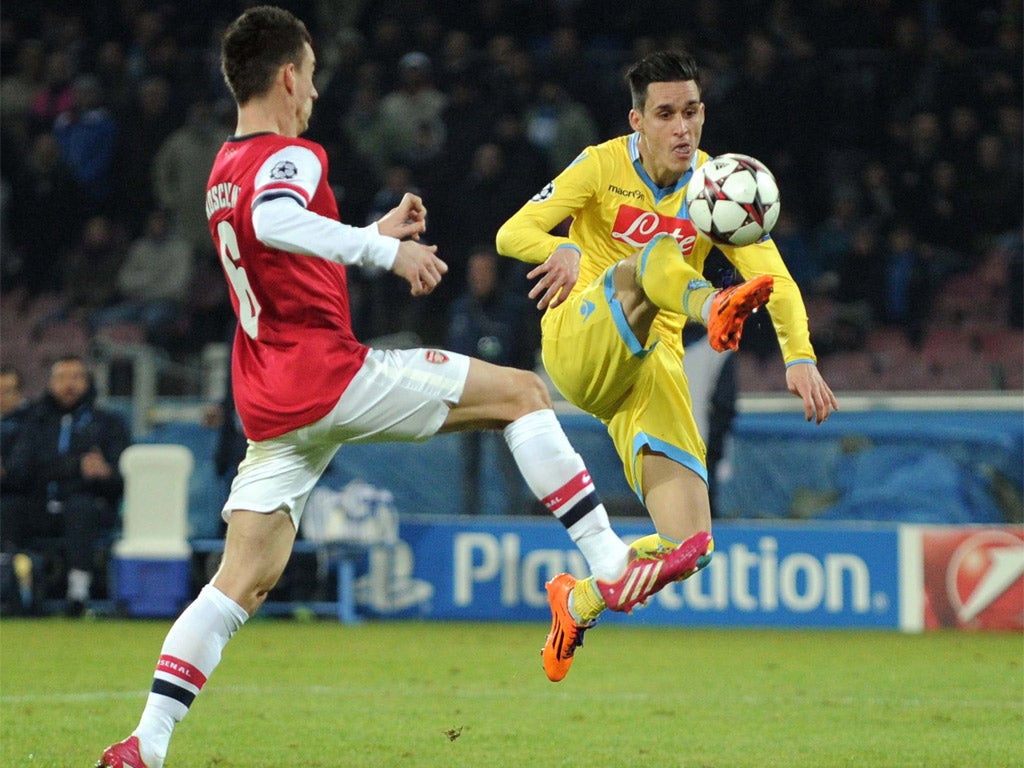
<point x="362" y="691"/>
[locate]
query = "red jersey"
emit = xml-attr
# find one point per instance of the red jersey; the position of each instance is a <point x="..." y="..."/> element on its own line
<point x="294" y="352"/>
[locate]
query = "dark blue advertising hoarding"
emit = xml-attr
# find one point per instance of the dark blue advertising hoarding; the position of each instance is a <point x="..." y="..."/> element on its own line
<point x="762" y="575"/>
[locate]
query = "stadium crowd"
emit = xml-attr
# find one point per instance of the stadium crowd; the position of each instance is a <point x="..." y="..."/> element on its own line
<point x="894" y="131"/>
<point x="895" y="134"/>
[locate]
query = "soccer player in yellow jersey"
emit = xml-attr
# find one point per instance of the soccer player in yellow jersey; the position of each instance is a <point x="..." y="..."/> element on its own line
<point x="617" y="292"/>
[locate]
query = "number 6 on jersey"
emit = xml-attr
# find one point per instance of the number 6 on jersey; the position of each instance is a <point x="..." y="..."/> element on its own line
<point x="248" y="306"/>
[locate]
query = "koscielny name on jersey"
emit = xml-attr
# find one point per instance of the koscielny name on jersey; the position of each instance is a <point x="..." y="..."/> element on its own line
<point x="223" y="195"/>
<point x="738" y="578"/>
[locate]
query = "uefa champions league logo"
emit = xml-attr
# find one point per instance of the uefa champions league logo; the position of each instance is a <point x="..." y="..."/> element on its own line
<point x="284" y="170"/>
<point x="544" y="194"/>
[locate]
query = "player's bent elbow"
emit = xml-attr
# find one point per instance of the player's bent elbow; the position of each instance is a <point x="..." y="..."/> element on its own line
<point x="504" y="241"/>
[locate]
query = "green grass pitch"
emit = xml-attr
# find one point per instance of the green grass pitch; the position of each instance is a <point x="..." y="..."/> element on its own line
<point x="413" y="695"/>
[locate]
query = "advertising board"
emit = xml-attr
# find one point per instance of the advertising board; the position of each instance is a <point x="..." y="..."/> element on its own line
<point x="761" y="575"/>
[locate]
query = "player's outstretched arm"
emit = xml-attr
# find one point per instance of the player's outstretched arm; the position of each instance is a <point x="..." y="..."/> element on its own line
<point x="407" y="219"/>
<point x="805" y="381"/>
<point x="419" y="266"/>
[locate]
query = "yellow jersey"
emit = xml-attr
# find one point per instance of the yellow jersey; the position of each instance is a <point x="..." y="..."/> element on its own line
<point x="616" y="208"/>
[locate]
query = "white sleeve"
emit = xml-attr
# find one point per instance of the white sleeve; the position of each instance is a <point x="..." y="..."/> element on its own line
<point x="284" y="185"/>
<point x="282" y="222"/>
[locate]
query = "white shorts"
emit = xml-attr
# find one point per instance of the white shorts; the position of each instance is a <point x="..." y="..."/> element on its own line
<point x="399" y="395"/>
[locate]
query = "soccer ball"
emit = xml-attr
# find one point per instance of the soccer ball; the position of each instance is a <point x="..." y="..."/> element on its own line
<point x="733" y="199"/>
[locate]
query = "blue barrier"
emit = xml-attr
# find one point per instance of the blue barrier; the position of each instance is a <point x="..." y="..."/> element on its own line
<point x="891" y="466"/>
<point x="895" y="466"/>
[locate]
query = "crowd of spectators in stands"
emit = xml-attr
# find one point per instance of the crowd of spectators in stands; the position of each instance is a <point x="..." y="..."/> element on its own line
<point x="894" y="130"/>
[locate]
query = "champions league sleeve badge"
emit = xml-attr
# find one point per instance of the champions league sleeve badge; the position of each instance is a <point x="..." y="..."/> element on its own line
<point x="544" y="194"/>
<point x="284" y="170"/>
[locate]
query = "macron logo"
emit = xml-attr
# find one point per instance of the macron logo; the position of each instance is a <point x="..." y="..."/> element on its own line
<point x="586" y="309"/>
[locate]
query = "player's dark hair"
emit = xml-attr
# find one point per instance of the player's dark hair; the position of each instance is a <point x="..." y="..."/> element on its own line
<point x="660" y="67"/>
<point x="255" y="45"/>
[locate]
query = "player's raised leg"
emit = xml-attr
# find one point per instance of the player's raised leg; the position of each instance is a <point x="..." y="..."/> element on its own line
<point x="670" y="283"/>
<point x="518" y="402"/>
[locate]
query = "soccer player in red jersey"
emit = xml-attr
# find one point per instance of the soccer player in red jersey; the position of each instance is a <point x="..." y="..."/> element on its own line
<point x="304" y="385"/>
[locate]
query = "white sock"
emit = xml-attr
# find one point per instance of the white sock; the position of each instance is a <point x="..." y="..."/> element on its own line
<point x="557" y="476"/>
<point x="191" y="651"/>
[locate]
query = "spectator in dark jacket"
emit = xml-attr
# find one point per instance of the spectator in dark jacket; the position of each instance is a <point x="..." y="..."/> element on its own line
<point x="13" y="406"/>
<point x="15" y="567"/>
<point x="64" y="465"/>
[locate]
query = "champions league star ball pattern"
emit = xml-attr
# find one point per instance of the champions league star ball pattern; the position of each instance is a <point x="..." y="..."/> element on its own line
<point x="733" y="199"/>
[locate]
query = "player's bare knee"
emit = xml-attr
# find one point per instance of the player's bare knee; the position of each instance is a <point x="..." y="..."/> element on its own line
<point x="531" y="394"/>
<point x="255" y="595"/>
<point x="246" y="588"/>
<point x="628" y="288"/>
<point x="625" y="278"/>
